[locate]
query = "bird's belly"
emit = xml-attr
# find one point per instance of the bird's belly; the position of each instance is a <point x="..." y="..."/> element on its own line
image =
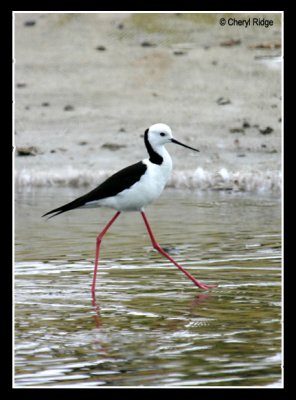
<point x="139" y="195"/>
<point x="133" y="199"/>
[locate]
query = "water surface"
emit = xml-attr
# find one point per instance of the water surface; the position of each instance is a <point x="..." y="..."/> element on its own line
<point x="149" y="325"/>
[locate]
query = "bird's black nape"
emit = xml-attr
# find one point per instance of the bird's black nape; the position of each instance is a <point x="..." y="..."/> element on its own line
<point x="154" y="157"/>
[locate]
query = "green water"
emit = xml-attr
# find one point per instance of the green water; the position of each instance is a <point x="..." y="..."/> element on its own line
<point x="149" y="325"/>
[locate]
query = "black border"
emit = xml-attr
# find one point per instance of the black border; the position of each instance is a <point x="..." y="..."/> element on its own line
<point x="6" y="378"/>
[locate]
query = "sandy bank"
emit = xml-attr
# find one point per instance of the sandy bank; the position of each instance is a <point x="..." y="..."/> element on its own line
<point x="88" y="85"/>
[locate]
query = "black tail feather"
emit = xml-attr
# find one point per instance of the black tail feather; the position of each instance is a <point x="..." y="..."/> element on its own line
<point x="118" y="182"/>
<point x="66" y="207"/>
<point x="57" y="211"/>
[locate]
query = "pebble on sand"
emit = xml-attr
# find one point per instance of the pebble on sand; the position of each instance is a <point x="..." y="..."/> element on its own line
<point x="30" y="22"/>
<point x="266" y="131"/>
<point x="112" y="146"/>
<point x="222" y="101"/>
<point x="68" y="107"/>
<point x="27" y="151"/>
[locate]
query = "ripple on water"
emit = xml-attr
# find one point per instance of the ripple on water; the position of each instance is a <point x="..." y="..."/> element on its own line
<point x="150" y="326"/>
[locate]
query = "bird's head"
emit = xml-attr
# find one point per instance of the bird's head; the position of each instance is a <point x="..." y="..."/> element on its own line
<point x="160" y="134"/>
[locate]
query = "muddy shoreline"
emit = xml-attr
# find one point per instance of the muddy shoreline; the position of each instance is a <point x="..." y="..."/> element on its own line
<point x="88" y="85"/>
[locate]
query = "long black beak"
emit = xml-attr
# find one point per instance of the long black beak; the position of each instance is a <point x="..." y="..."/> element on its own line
<point x="184" y="145"/>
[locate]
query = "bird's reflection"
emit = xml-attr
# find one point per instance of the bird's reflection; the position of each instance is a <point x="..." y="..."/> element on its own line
<point x="96" y="308"/>
<point x="199" y="299"/>
<point x="194" y="305"/>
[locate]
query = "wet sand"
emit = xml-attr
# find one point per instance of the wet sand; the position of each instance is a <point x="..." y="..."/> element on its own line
<point x="88" y="85"/>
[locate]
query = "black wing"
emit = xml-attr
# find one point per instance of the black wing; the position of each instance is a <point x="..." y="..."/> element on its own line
<point x="121" y="180"/>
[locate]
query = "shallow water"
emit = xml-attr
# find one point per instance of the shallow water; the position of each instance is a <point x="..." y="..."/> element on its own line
<point x="149" y="325"/>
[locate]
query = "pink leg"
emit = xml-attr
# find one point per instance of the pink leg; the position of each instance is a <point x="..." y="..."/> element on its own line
<point x="99" y="240"/>
<point x="161" y="251"/>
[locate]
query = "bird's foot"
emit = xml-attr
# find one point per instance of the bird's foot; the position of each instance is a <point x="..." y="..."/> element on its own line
<point x="204" y="286"/>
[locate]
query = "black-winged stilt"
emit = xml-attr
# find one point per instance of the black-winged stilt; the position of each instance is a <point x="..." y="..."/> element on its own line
<point x="132" y="189"/>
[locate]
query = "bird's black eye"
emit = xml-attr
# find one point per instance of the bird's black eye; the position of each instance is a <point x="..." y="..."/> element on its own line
<point x="162" y="134"/>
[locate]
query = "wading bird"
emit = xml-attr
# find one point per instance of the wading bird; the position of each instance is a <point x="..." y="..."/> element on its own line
<point x="132" y="189"/>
